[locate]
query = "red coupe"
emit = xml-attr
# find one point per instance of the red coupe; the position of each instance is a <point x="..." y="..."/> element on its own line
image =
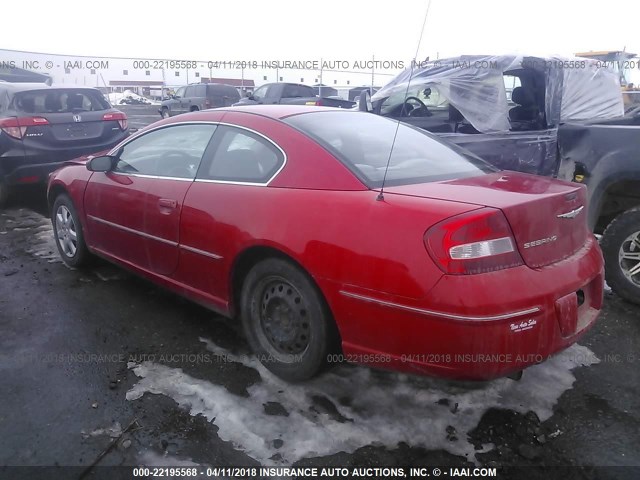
<point x="339" y="234"/>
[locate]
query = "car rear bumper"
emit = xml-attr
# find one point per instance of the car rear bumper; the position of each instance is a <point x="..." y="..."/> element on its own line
<point x="475" y="327"/>
<point x="35" y="165"/>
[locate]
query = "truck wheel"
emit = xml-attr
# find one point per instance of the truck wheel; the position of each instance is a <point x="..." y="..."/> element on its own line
<point x="165" y="112"/>
<point x="286" y="320"/>
<point x="621" y="248"/>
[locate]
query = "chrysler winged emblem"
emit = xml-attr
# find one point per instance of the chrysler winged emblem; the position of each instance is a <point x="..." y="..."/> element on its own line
<point x="572" y="213"/>
<point x="77" y="118"/>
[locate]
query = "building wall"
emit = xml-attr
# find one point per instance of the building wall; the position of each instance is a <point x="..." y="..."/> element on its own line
<point x="100" y="71"/>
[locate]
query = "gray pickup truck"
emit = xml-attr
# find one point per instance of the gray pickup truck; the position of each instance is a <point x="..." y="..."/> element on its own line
<point x="291" y="94"/>
<point x="552" y="116"/>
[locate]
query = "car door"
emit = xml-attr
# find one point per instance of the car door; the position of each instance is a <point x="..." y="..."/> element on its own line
<point x="239" y="162"/>
<point x="187" y="101"/>
<point x="183" y="147"/>
<point x="177" y="107"/>
<point x="133" y="211"/>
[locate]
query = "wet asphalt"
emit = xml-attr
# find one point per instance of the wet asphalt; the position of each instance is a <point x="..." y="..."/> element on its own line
<point x="66" y="337"/>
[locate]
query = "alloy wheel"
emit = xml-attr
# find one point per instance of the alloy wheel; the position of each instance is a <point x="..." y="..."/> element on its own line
<point x="629" y="257"/>
<point x="66" y="231"/>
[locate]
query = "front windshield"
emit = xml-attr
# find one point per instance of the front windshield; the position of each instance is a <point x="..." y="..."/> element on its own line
<point x="363" y="142"/>
<point x="428" y="94"/>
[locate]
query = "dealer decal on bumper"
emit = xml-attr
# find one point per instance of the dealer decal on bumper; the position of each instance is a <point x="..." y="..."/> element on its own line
<point x="522" y="326"/>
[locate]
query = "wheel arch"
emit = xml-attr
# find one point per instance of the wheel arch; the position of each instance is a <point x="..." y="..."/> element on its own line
<point x="53" y="192"/>
<point x="617" y="195"/>
<point x="251" y="256"/>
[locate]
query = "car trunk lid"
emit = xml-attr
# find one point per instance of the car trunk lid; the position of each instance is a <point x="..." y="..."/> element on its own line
<point x="547" y="216"/>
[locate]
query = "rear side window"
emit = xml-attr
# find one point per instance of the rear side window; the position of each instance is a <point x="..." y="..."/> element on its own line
<point x="242" y="156"/>
<point x="59" y="101"/>
<point x="297" y="91"/>
<point x="363" y="142"/>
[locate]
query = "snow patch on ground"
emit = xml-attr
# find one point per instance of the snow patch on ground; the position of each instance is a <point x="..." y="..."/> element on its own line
<point x="41" y="243"/>
<point x="150" y="458"/>
<point x="116" y="97"/>
<point x="371" y="407"/>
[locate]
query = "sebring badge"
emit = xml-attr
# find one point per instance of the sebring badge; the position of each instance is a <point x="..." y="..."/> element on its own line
<point x="542" y="241"/>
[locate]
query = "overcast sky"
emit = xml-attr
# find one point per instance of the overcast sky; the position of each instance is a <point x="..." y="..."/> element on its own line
<point x="328" y="29"/>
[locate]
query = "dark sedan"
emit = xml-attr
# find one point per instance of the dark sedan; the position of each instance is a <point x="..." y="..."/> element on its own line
<point x="42" y="126"/>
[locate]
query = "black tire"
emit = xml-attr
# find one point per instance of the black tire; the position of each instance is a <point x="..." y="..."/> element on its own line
<point x="164" y="113"/>
<point x="617" y="239"/>
<point x="286" y="320"/>
<point x="194" y="109"/>
<point x="67" y="231"/>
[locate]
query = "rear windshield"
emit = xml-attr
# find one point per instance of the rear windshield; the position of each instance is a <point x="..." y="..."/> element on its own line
<point x="362" y="141"/>
<point x="59" y="101"/>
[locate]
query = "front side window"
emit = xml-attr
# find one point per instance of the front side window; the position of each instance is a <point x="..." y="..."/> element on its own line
<point x="180" y="92"/>
<point x="242" y="156"/>
<point x="174" y="151"/>
<point x="363" y="142"/>
<point x="261" y="93"/>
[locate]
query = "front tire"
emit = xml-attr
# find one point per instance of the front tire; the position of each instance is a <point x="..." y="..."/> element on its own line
<point x="68" y="233"/>
<point x="286" y="320"/>
<point x="621" y="248"/>
<point x="164" y="113"/>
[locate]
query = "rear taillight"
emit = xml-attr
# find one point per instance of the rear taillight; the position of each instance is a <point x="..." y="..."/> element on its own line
<point x="119" y="116"/>
<point x="475" y="242"/>
<point x="16" y="127"/>
<point x="317" y="103"/>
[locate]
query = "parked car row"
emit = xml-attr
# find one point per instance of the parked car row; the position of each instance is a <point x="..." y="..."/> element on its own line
<point x="325" y="229"/>
<point x="202" y="96"/>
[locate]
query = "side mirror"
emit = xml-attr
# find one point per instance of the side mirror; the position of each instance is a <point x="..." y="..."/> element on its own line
<point x="364" y="102"/>
<point x="104" y="163"/>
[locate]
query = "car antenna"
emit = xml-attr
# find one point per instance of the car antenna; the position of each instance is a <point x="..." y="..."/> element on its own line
<point x="380" y="196"/>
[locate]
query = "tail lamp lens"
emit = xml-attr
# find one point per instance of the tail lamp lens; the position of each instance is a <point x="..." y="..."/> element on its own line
<point x="474" y="242"/>
<point x="119" y="116"/>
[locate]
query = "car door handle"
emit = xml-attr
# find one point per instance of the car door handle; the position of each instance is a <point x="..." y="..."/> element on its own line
<point x="167" y="204"/>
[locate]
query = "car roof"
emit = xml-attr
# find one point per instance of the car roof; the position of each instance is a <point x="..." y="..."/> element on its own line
<point x="24" y="87"/>
<point x="280" y="111"/>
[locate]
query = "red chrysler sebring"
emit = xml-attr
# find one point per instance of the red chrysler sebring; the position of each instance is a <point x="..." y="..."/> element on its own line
<point x="275" y="215"/>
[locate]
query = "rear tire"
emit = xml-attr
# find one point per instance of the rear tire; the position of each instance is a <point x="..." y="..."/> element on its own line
<point x="164" y="113"/>
<point x="194" y="109"/>
<point x="286" y="320"/>
<point x="68" y="233"/>
<point x="621" y="248"/>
